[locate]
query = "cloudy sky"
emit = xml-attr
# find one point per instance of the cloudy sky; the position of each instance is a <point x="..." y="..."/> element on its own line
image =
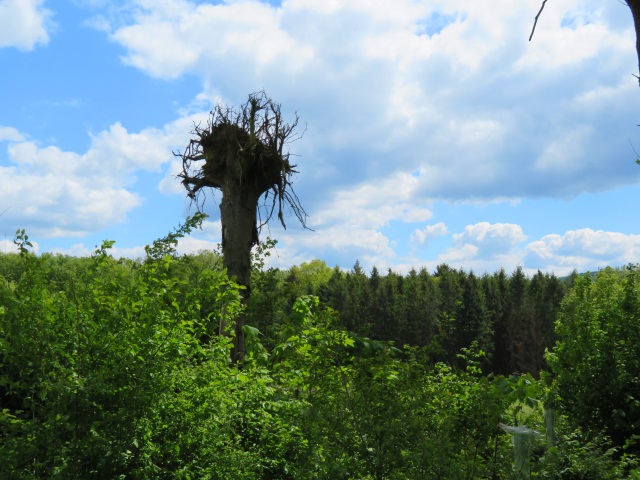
<point x="435" y="131"/>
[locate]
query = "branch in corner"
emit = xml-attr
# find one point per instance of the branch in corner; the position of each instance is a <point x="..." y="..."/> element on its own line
<point x="536" y="19"/>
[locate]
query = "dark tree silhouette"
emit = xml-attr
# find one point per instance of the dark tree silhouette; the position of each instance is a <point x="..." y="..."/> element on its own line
<point x="634" y="5"/>
<point x="244" y="155"/>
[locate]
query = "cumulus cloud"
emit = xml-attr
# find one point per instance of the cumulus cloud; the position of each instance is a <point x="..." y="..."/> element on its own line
<point x="498" y="237"/>
<point x="170" y="184"/>
<point x="347" y="223"/>
<point x="51" y="202"/>
<point x="373" y="205"/>
<point x="582" y="250"/>
<point x="389" y="87"/>
<point x="187" y="37"/>
<point x="56" y="193"/>
<point x="485" y="247"/>
<point x="339" y="245"/>
<point x="422" y="237"/>
<point x="10" y="134"/>
<point x="24" y="24"/>
<point x="7" y="246"/>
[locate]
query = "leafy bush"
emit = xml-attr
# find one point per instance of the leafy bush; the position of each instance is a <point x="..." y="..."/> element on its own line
<point x="581" y="456"/>
<point x="377" y="412"/>
<point x="596" y="359"/>
<point x="111" y="378"/>
<point x="114" y="369"/>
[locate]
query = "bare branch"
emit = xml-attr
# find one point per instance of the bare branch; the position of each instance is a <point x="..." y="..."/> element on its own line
<point x="536" y="19"/>
<point x="5" y="210"/>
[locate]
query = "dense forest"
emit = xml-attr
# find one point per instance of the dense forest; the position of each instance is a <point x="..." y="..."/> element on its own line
<point x="114" y="368"/>
<point x="510" y="317"/>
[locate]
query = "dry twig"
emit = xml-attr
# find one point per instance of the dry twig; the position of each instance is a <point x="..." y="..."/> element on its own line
<point x="536" y="19"/>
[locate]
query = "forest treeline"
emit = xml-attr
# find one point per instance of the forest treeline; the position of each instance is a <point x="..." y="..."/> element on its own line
<point x="510" y="317"/>
<point x="114" y="368"/>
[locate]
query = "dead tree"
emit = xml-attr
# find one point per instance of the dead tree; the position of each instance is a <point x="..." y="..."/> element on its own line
<point x="243" y="154"/>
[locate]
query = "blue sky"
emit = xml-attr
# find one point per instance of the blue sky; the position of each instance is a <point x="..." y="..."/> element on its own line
<point x="435" y="132"/>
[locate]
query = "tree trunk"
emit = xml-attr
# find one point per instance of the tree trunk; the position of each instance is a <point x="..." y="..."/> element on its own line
<point x="634" y="5"/>
<point x="239" y="235"/>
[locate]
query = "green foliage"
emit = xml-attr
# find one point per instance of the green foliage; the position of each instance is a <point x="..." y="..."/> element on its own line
<point x="22" y="241"/>
<point x="115" y="369"/>
<point x="582" y="456"/>
<point x="261" y="252"/>
<point x="510" y="317"/>
<point x="119" y="376"/>
<point x="596" y="359"/>
<point x="377" y="412"/>
<point x="309" y="277"/>
<point x="167" y="245"/>
<point x="267" y="305"/>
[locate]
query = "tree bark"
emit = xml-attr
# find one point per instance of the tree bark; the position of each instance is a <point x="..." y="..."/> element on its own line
<point x="239" y="234"/>
<point x="634" y="5"/>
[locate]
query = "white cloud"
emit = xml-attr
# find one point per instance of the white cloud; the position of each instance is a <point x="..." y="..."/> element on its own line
<point x="10" y="134"/>
<point x="56" y="193"/>
<point x="486" y="248"/>
<point x="461" y="253"/>
<point x="75" y="250"/>
<point x="195" y="245"/>
<point x="171" y="184"/>
<point x="205" y="36"/>
<point x="572" y="31"/>
<point x="564" y="155"/>
<point x="117" y="151"/>
<point x="24" y="23"/>
<point x="7" y="246"/>
<point x="482" y="247"/>
<point x="80" y="250"/>
<point x="344" y="243"/>
<point x="339" y="238"/>
<point x="498" y="237"/>
<point x="374" y="205"/>
<point x="583" y="250"/>
<point x="475" y="107"/>
<point x="422" y="237"/>
<point x="347" y="224"/>
<point x="210" y="230"/>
